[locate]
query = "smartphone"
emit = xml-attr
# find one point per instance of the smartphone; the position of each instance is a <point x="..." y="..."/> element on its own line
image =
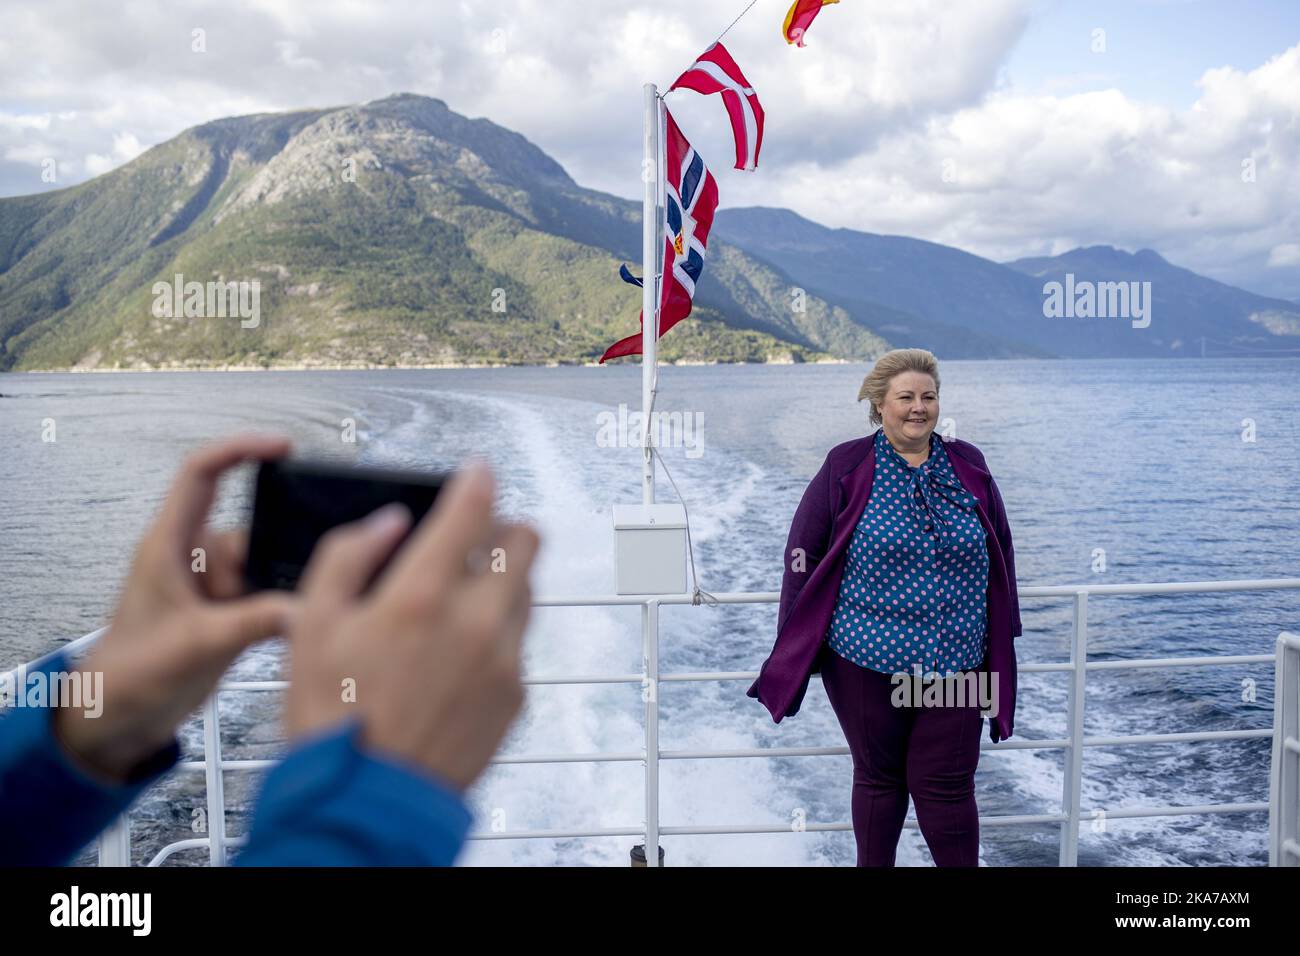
<point x="296" y="502"/>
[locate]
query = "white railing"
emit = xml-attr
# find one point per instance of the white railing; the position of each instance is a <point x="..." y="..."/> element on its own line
<point x="1284" y="783"/>
<point x="1284" y="774"/>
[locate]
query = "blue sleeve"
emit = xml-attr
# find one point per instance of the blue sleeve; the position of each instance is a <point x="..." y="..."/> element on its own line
<point x="49" y="808"/>
<point x="330" y="803"/>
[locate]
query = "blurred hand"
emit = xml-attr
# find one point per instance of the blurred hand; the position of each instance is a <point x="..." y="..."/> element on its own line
<point x="430" y="658"/>
<point x="175" y="630"/>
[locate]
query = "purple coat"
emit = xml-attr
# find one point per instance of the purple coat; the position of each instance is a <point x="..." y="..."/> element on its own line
<point x="823" y="526"/>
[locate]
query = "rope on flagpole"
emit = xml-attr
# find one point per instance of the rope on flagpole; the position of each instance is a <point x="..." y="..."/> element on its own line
<point x="698" y="594"/>
<point x="735" y="21"/>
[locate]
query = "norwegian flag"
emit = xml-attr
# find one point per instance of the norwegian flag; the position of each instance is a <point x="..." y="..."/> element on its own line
<point x="716" y="72"/>
<point x="691" y="198"/>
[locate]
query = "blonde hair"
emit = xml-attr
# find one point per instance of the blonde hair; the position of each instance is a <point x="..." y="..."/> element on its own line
<point x="876" y="385"/>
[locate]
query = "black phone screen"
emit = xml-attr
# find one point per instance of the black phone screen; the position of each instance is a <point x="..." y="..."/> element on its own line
<point x="296" y="502"/>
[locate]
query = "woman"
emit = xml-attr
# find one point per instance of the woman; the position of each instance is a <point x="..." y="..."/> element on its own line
<point x="899" y="559"/>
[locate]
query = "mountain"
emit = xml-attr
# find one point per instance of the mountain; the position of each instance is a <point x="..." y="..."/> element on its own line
<point x="970" y="307"/>
<point x="951" y="302"/>
<point x="396" y="232"/>
<point x="1232" y="320"/>
<point x="400" y="232"/>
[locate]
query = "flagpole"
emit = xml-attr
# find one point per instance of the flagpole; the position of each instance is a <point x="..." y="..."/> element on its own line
<point x="651" y="254"/>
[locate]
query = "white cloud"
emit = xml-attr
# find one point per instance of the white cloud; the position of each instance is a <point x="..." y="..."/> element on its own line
<point x="11" y="122"/>
<point x="125" y="148"/>
<point x="291" y="56"/>
<point x="96" y="165"/>
<point x="1284" y="256"/>
<point x="33" y="153"/>
<point x="1036" y="175"/>
<point x="859" y="123"/>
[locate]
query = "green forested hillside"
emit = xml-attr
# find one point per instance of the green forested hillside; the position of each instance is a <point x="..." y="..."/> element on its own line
<point x="397" y="232"/>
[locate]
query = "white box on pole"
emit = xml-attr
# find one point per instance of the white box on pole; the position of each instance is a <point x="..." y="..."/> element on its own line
<point x="650" y="549"/>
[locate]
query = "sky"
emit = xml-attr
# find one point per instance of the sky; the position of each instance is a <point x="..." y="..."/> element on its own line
<point x="1007" y="128"/>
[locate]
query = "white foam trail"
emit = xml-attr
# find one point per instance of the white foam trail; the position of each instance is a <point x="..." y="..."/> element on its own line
<point x="566" y="487"/>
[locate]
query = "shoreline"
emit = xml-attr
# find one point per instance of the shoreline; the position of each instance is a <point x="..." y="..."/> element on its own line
<point x="300" y="367"/>
<point x="372" y="367"/>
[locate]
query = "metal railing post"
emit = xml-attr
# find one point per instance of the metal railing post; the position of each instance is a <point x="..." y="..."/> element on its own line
<point x="1284" y="774"/>
<point x="115" y="843"/>
<point x="216" y="786"/>
<point x="1072" y="778"/>
<point x="650" y="693"/>
<point x="1284" y="778"/>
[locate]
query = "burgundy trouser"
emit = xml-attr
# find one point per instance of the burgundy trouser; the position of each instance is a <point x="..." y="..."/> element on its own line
<point x="929" y="752"/>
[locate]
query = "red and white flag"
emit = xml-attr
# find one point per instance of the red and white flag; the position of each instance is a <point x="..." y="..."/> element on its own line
<point x="716" y="72"/>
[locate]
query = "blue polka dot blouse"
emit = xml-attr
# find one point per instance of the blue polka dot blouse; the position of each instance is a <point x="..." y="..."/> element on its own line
<point x="916" y="574"/>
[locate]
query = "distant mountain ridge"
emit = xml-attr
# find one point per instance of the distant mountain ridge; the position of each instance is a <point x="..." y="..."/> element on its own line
<point x="1197" y="306"/>
<point x="400" y="232"/>
<point x="971" y="307"/>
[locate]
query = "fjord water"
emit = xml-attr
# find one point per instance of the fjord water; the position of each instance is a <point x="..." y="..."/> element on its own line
<point x="1138" y="464"/>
